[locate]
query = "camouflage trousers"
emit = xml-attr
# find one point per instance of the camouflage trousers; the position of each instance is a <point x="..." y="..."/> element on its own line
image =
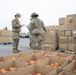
<point x="15" y="36"/>
<point x="15" y="43"/>
<point x="35" y="41"/>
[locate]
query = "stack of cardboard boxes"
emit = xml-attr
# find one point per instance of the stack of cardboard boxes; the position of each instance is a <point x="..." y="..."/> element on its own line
<point x="49" y="42"/>
<point x="67" y="33"/>
<point x="6" y="36"/>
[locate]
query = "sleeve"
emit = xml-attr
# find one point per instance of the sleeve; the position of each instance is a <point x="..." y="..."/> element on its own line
<point x="14" y="24"/>
<point x="43" y="26"/>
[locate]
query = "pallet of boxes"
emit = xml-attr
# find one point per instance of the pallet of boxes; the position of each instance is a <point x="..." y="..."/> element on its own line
<point x="5" y="36"/>
<point x="50" y="38"/>
<point x="67" y="33"/>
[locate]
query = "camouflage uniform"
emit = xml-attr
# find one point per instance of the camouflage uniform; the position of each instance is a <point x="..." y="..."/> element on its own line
<point x="36" y="31"/>
<point x="16" y="28"/>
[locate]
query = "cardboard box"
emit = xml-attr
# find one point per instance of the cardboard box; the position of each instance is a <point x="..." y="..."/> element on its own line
<point x="63" y="27"/>
<point x="67" y="21"/>
<point x="72" y="26"/>
<point x="71" y="40"/>
<point x="52" y="60"/>
<point x="63" y="47"/>
<point x="32" y="59"/>
<point x="73" y="58"/>
<point x="71" y="15"/>
<point x="73" y="33"/>
<point x="71" y="47"/>
<point x="48" y="47"/>
<point x="63" y="40"/>
<point x="61" y="33"/>
<point x="11" y="57"/>
<point x="62" y="55"/>
<point x="10" y="63"/>
<point x="62" y="21"/>
<point x="65" y="73"/>
<point x="68" y="33"/>
<point x="31" y="69"/>
<point x="6" y="39"/>
<point x="6" y="33"/>
<point x="70" y="67"/>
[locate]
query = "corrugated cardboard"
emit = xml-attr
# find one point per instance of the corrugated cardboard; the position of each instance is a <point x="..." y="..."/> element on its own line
<point x="71" y="40"/>
<point x="63" y="27"/>
<point x="63" y="55"/>
<point x="70" y="67"/>
<point x="73" y="33"/>
<point x="71" y="15"/>
<point x="65" y="73"/>
<point x="29" y="70"/>
<point x="63" y="40"/>
<point x="63" y="47"/>
<point x="62" y="21"/>
<point x="68" y="33"/>
<point x="67" y="21"/>
<point x="71" y="47"/>
<point x="6" y="33"/>
<point x="10" y="63"/>
<point x="62" y="62"/>
<point x="48" y="47"/>
<point x="61" y="33"/>
<point x="6" y="39"/>
<point x="72" y="26"/>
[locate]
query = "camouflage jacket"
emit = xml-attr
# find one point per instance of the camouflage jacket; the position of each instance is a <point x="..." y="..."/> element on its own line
<point x="16" y="27"/>
<point x="36" y="26"/>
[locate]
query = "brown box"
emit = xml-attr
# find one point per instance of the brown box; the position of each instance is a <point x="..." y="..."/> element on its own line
<point x="53" y="60"/>
<point x="10" y="63"/>
<point x="62" y="21"/>
<point x="72" y="26"/>
<point x="61" y="33"/>
<point x="67" y="21"/>
<point x="71" y="15"/>
<point x="70" y="67"/>
<point x="65" y="73"/>
<point x="68" y="33"/>
<point x="48" y="47"/>
<point x="31" y="69"/>
<point x="71" y="47"/>
<point x="6" y="33"/>
<point x="71" y="40"/>
<point x="73" y="33"/>
<point x="63" y="55"/>
<point x="63" y="40"/>
<point x="63" y="47"/>
<point x="63" y="27"/>
<point x="6" y="39"/>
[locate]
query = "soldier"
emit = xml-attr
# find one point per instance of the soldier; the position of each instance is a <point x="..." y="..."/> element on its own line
<point x="16" y="28"/>
<point x="36" y="31"/>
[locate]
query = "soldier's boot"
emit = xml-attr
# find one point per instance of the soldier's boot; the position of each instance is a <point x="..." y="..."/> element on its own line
<point x="15" y="51"/>
<point x="18" y="50"/>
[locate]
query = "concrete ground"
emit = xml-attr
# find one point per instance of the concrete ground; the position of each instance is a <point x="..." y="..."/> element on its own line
<point x="7" y="49"/>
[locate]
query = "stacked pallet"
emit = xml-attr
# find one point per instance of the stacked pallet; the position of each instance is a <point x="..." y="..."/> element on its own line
<point x="6" y="36"/>
<point x="49" y="42"/>
<point x="67" y="33"/>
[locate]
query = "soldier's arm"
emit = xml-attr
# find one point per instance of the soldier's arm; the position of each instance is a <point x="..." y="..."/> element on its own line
<point x="43" y="26"/>
<point x="15" y="25"/>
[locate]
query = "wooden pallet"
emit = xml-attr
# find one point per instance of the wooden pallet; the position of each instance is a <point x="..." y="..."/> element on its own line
<point x="5" y="43"/>
<point x="70" y="52"/>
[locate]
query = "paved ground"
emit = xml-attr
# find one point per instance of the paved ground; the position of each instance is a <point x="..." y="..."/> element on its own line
<point x="7" y="49"/>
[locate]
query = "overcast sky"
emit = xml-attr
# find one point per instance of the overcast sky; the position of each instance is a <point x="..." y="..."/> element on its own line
<point x="49" y="11"/>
